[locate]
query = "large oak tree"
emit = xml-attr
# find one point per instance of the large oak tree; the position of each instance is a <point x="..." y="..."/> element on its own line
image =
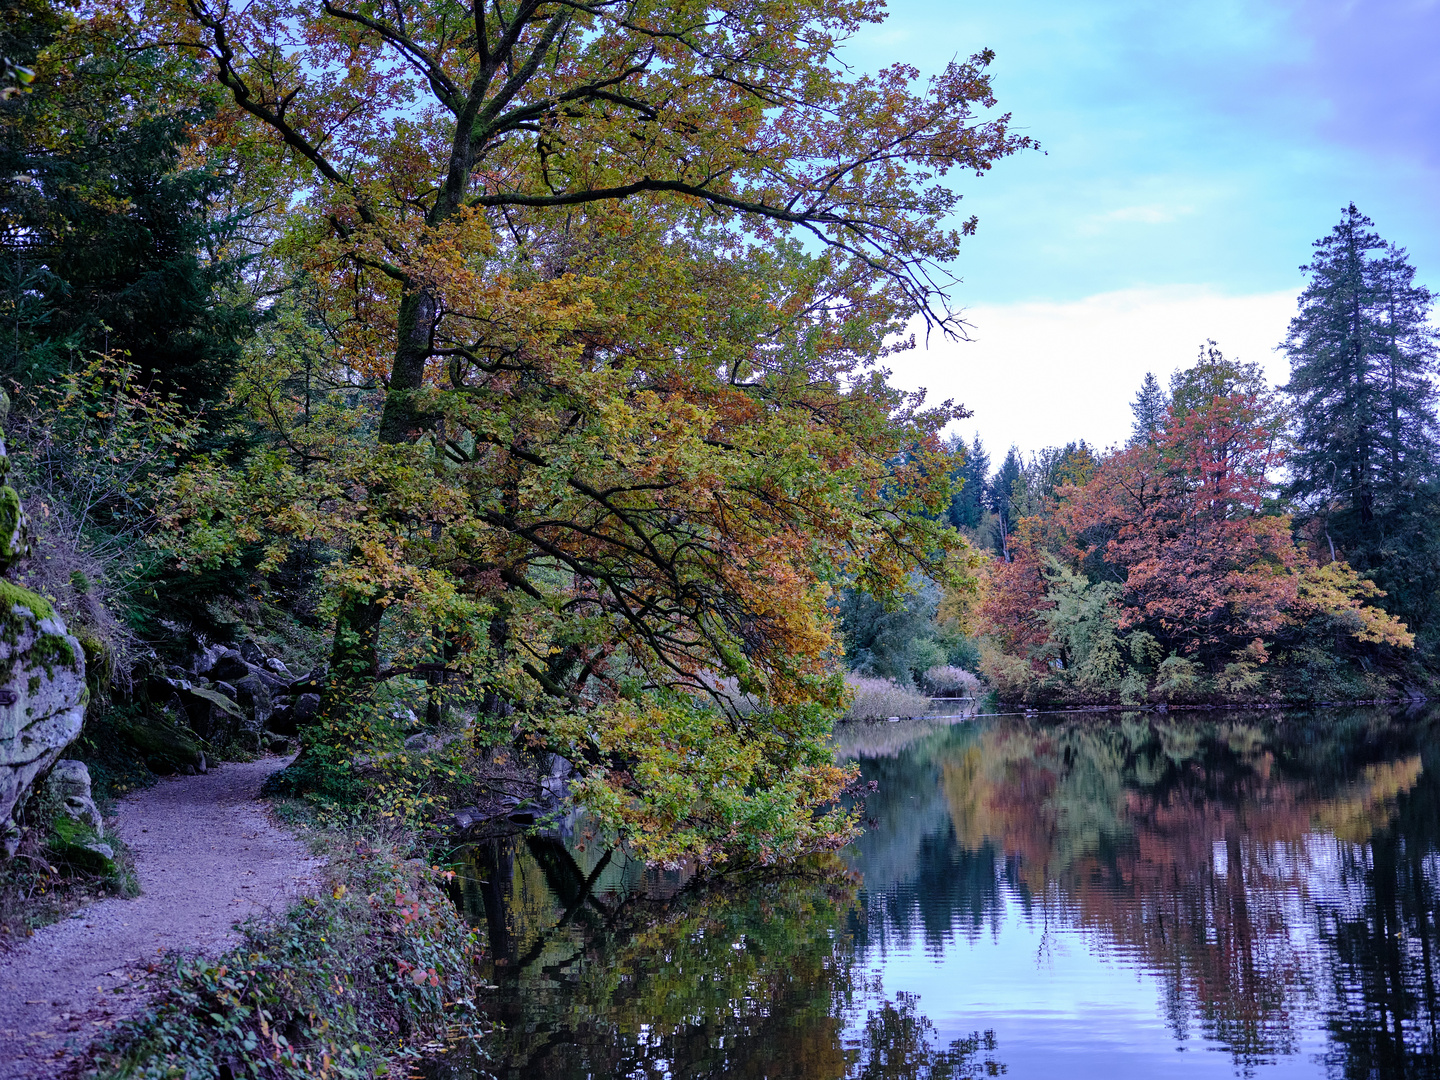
<point x="618" y="273"/>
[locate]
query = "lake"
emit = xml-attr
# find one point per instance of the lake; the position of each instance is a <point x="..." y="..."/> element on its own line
<point x="1084" y="895"/>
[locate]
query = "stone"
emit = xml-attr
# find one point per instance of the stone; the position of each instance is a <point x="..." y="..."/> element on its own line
<point x="213" y="714"/>
<point x="42" y="696"/>
<point x="277" y="665"/>
<point x="227" y="666"/>
<point x="282" y="720"/>
<point x="252" y="694"/>
<point x="309" y="684"/>
<point x="76" y="843"/>
<point x="166" y="746"/>
<point x="306" y="708"/>
<point x="251" y="653"/>
<point x="69" y="784"/>
<point x="105" y="851"/>
<point x="42" y="671"/>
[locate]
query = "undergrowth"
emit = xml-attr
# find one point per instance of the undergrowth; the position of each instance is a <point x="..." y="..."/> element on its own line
<point x="52" y="874"/>
<point x="375" y="969"/>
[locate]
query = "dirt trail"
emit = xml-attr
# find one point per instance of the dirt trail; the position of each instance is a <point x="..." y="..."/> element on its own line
<point x="207" y="855"/>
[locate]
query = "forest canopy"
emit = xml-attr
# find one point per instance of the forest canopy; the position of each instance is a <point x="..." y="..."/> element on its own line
<point x="529" y="352"/>
<point x="518" y="368"/>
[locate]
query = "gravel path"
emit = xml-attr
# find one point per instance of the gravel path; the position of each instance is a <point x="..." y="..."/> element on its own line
<point x="207" y="855"/>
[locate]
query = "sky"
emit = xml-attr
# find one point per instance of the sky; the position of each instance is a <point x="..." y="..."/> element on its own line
<point x="1191" y="152"/>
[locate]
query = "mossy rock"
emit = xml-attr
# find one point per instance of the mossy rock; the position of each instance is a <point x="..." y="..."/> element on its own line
<point x="42" y="692"/>
<point x="166" y="746"/>
<point x="76" y="844"/>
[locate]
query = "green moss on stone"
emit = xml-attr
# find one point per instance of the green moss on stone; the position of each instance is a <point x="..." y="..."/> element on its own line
<point x="12" y="519"/>
<point x="12" y="594"/>
<point x="52" y="651"/>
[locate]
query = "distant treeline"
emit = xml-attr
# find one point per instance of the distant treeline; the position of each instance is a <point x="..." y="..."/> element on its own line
<point x="1248" y="542"/>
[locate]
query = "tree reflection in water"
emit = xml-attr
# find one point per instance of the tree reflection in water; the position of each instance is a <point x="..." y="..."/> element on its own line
<point x="1267" y="871"/>
<point x="608" y="970"/>
<point x="1274" y="877"/>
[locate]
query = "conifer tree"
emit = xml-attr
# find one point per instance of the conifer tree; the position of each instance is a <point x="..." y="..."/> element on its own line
<point x="1001" y="492"/>
<point x="1149" y="407"/>
<point x="967" y="505"/>
<point x="1365" y="461"/>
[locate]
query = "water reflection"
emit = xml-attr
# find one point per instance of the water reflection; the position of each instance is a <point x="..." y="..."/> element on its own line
<point x="1273" y="877"/>
<point x="1098" y="895"/>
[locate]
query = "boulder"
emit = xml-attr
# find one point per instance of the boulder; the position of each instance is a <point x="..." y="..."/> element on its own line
<point x="42" y="695"/>
<point x="167" y="747"/>
<point x="251" y="653"/>
<point x="309" y="684"/>
<point x="69" y="784"/>
<point x="227" y="666"/>
<point x="74" y="842"/>
<point x="214" y="715"/>
<point x="42" y="671"/>
<point x="282" y="720"/>
<point x="252" y="694"/>
<point x="276" y="665"/>
<point x="306" y="709"/>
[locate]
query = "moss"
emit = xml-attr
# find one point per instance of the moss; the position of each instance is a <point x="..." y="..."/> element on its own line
<point x="52" y="651"/>
<point x="12" y="528"/>
<point x="164" y="746"/>
<point x="13" y="626"/>
<point x="12" y="594"/>
<point x="69" y="840"/>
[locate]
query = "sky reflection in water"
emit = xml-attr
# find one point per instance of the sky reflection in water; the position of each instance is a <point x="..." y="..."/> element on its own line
<point x="1095" y="896"/>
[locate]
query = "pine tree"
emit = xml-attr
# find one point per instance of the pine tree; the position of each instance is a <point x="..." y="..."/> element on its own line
<point x="1001" y="493"/>
<point x="967" y="506"/>
<point x="1365" y="463"/>
<point x="1149" y="408"/>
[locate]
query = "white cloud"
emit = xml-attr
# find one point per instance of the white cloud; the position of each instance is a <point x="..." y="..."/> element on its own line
<point x="1042" y="374"/>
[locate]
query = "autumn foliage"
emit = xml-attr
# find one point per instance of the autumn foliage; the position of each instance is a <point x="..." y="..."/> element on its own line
<point x="1173" y="555"/>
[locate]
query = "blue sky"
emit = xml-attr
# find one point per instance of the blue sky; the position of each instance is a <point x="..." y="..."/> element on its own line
<point x="1192" y="153"/>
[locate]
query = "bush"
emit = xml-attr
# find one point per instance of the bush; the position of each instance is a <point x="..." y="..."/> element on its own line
<point x="947" y="680"/>
<point x="877" y="699"/>
<point x="342" y="985"/>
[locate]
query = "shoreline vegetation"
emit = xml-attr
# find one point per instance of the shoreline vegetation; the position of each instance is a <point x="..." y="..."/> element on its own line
<point x="364" y="978"/>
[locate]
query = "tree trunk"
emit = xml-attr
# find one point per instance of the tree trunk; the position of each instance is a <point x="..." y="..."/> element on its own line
<point x="355" y="651"/>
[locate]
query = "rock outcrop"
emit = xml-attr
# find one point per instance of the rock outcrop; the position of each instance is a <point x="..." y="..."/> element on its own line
<point x="42" y="673"/>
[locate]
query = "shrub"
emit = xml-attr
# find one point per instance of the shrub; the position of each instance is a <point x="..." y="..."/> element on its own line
<point x="877" y="699"/>
<point x="343" y="984"/>
<point x="947" y="680"/>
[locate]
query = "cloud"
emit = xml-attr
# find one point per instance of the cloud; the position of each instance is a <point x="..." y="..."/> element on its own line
<point x="1042" y="374"/>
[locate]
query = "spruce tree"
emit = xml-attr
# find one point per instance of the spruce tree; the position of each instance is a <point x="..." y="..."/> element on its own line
<point x="972" y="469"/>
<point x="1365" y="463"/>
<point x="1149" y="409"/>
<point x="112" y="241"/>
<point x="1001" y="493"/>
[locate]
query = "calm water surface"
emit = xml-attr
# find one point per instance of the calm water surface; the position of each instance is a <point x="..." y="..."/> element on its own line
<point x="1215" y="894"/>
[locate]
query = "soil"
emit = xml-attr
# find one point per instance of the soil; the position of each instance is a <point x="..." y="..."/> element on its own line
<point x="207" y="855"/>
